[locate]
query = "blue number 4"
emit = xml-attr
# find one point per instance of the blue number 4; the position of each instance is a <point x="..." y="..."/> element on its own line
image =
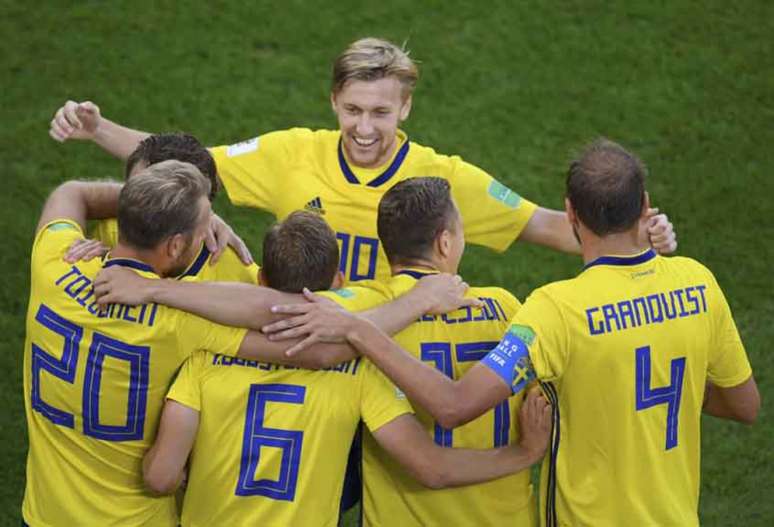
<point x="647" y="397"/>
<point x="257" y="435"/>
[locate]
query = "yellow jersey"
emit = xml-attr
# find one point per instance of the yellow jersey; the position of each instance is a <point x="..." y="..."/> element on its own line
<point x="296" y="169"/>
<point x="229" y="268"/>
<point x="624" y="351"/>
<point x="94" y="385"/>
<point x="273" y="441"/>
<point x="451" y="343"/>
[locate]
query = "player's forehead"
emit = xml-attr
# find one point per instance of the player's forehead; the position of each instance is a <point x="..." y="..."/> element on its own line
<point x="386" y="91"/>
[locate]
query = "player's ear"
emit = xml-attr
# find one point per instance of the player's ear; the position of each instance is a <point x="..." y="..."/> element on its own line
<point x="645" y="204"/>
<point x="338" y="280"/>
<point x="175" y="246"/>
<point x="443" y="243"/>
<point x="405" y="108"/>
<point x="333" y="102"/>
<point x="571" y="216"/>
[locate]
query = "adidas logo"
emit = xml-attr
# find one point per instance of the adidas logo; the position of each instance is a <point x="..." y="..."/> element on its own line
<point x="315" y="205"/>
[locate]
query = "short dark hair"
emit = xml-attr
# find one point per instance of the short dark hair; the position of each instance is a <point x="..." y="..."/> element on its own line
<point x="160" y="202"/>
<point x="300" y="251"/>
<point x="182" y="147"/>
<point x="411" y="215"/>
<point x="606" y="187"/>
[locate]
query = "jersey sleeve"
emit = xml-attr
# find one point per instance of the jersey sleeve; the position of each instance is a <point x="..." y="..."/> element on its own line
<point x="493" y="215"/>
<point x="199" y="334"/>
<point x="254" y="172"/>
<point x="380" y="400"/>
<point x="106" y="231"/>
<point x="186" y="389"/>
<point x="728" y="365"/>
<point x="536" y="345"/>
<point x="52" y="242"/>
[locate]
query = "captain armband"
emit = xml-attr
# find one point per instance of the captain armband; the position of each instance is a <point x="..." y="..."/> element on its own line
<point x="510" y="359"/>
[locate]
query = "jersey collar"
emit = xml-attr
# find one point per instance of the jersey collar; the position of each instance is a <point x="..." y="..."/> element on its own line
<point x="416" y="273"/>
<point x="127" y="262"/>
<point x="622" y="260"/>
<point x="197" y="264"/>
<point x="382" y="178"/>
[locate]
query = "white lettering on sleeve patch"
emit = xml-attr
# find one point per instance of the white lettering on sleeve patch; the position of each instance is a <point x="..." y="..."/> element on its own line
<point x="245" y="147"/>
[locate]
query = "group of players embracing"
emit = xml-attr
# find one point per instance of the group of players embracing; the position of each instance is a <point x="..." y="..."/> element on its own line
<point x="161" y="362"/>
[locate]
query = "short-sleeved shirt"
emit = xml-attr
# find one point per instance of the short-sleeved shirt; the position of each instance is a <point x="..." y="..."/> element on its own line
<point x="624" y="351"/>
<point x="272" y="442"/>
<point x="295" y="169"/>
<point x="94" y="386"/>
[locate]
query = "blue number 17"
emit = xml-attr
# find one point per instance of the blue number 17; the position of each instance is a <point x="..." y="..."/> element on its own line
<point x="440" y="354"/>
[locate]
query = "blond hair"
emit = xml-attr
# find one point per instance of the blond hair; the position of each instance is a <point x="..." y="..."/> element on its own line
<point x="159" y="202"/>
<point x="370" y="59"/>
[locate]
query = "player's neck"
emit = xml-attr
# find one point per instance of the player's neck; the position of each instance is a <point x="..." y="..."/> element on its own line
<point x="146" y="257"/>
<point x="618" y="244"/>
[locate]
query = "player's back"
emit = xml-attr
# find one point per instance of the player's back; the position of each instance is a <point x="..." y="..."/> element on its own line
<point x="272" y="442"/>
<point x="451" y="343"/>
<point x="94" y="384"/>
<point x="639" y="337"/>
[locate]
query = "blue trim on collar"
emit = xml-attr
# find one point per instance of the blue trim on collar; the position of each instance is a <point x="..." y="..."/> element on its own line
<point x="195" y="267"/>
<point x="381" y="178"/>
<point x="126" y="262"/>
<point x="622" y="260"/>
<point x="416" y="274"/>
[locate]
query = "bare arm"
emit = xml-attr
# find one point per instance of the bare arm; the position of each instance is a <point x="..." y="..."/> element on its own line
<point x="226" y="303"/>
<point x="438" y="467"/>
<point x="451" y="403"/>
<point x="80" y="201"/>
<point x="164" y="464"/>
<point x="738" y="403"/>
<point x="255" y="346"/>
<point x="552" y="229"/>
<point x="83" y="121"/>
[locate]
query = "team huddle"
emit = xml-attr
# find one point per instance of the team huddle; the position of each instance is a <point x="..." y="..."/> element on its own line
<point x="169" y="380"/>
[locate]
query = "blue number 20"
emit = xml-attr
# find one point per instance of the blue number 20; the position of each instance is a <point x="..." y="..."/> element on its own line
<point x="647" y="397"/>
<point x="64" y="368"/>
<point x="258" y="435"/>
<point x="440" y="354"/>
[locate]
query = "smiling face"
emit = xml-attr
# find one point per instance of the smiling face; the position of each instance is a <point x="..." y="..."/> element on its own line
<point x="369" y="113"/>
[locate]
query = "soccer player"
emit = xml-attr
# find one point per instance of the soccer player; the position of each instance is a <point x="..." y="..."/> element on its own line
<point x="225" y="263"/>
<point x="94" y="381"/>
<point x="630" y="353"/>
<point x="421" y="231"/>
<point x="343" y="173"/>
<point x="268" y="444"/>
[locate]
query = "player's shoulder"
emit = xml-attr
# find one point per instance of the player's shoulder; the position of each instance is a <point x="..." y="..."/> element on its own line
<point x="360" y="296"/>
<point x="52" y="241"/>
<point x="684" y="264"/>
<point x="495" y="292"/>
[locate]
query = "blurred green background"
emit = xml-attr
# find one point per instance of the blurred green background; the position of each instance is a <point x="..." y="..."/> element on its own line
<point x="514" y="87"/>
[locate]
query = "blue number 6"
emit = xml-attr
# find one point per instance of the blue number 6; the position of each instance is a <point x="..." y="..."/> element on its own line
<point x="647" y="397"/>
<point x="257" y="435"/>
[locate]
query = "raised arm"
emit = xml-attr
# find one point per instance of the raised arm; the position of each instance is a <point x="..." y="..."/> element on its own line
<point x="82" y="120"/>
<point x="80" y="201"/>
<point x="439" y="467"/>
<point x="227" y="303"/>
<point x="552" y="229"/>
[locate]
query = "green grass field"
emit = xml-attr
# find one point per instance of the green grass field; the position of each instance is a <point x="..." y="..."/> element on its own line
<point x="515" y="88"/>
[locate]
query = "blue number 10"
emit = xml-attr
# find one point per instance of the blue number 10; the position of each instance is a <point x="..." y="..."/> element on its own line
<point x="647" y="397"/>
<point x="64" y="368"/>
